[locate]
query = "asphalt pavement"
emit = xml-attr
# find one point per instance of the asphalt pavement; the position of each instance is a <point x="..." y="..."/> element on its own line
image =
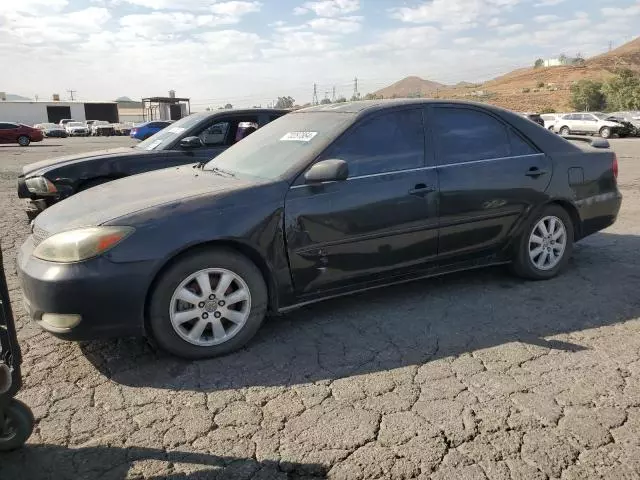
<point x="469" y="376"/>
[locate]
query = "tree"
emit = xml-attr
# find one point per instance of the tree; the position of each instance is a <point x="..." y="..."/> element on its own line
<point x="285" y="102"/>
<point x="548" y="110"/>
<point x="341" y="100"/>
<point x="355" y="98"/>
<point x="586" y="95"/>
<point x="539" y="63"/>
<point x="540" y="85"/>
<point x="325" y="101"/>
<point x="563" y="59"/>
<point x="622" y="92"/>
<point x="228" y="106"/>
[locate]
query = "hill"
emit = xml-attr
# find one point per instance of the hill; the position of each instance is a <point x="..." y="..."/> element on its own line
<point x="410" y="86"/>
<point x="535" y="89"/>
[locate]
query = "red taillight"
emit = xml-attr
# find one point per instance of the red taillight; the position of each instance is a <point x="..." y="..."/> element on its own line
<point x="614" y="166"/>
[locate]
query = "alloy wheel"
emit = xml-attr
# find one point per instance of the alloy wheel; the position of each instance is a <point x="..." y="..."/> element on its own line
<point x="210" y="307"/>
<point x="547" y="243"/>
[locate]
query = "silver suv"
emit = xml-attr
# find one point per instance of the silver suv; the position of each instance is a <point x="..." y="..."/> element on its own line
<point x="588" y="123"/>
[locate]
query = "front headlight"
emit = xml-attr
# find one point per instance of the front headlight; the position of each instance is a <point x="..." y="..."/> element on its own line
<point x="81" y="244"/>
<point x="40" y="185"/>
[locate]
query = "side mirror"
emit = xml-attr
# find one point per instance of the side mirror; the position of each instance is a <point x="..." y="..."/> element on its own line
<point x="327" y="171"/>
<point x="191" y="142"/>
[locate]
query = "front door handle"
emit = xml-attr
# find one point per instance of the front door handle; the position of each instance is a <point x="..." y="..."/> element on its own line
<point x="536" y="172"/>
<point x="420" y="189"/>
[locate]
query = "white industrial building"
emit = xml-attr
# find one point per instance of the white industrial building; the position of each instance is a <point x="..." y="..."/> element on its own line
<point x="31" y="112"/>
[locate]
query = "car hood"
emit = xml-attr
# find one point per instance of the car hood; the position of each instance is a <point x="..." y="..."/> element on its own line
<point x="119" y="198"/>
<point x="44" y="165"/>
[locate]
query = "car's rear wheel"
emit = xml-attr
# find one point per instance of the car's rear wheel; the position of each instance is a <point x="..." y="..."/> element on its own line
<point x="564" y="131"/>
<point x="24" y="141"/>
<point x="605" y="132"/>
<point x="546" y="245"/>
<point x="208" y="303"/>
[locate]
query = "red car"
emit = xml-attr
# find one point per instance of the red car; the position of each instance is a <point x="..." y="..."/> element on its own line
<point x="18" y="133"/>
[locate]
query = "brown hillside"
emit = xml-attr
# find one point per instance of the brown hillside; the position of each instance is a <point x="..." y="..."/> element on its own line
<point x="534" y="89"/>
<point x="410" y="86"/>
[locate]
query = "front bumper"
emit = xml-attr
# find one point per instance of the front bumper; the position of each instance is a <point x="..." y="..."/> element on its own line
<point x="78" y="133"/>
<point x="108" y="296"/>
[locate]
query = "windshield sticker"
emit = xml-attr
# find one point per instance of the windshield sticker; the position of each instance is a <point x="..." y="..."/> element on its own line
<point x="298" y="136"/>
<point x="154" y="144"/>
<point x="176" y="130"/>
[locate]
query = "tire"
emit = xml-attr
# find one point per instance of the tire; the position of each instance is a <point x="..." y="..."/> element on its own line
<point x="605" y="132"/>
<point x="24" y="141"/>
<point x="523" y="265"/>
<point x="564" y="131"/>
<point x="20" y="426"/>
<point x="210" y="313"/>
<point x="93" y="183"/>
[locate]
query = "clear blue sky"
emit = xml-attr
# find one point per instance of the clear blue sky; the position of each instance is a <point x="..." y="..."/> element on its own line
<point x="250" y="51"/>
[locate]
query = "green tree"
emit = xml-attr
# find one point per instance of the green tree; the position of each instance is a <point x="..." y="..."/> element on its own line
<point x="622" y="92"/>
<point x="341" y="100"/>
<point x="586" y="95"/>
<point x="548" y="110"/>
<point x="325" y="101"/>
<point x="285" y="102"/>
<point x="228" y="106"/>
<point x="539" y="63"/>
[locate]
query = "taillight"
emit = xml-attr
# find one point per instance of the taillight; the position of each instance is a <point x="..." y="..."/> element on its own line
<point x="614" y="166"/>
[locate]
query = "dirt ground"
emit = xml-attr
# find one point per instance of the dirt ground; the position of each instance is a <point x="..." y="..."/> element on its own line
<point x="470" y="376"/>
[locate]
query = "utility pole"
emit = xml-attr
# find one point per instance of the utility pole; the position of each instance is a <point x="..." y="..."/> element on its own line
<point x="71" y="92"/>
<point x="356" y="94"/>
<point x="610" y="45"/>
<point x="36" y="97"/>
<point x="315" y="95"/>
<point x="333" y="96"/>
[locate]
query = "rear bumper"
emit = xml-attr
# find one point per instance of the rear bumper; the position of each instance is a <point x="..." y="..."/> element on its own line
<point x="108" y="296"/>
<point x="599" y="212"/>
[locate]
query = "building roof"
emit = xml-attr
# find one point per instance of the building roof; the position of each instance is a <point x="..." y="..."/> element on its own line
<point x="165" y="99"/>
<point x="59" y="102"/>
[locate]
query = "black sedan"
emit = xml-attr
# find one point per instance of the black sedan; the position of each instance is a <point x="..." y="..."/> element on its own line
<point x="195" y="138"/>
<point x="322" y="202"/>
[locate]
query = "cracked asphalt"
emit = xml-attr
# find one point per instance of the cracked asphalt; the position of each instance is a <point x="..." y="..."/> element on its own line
<point x="470" y="376"/>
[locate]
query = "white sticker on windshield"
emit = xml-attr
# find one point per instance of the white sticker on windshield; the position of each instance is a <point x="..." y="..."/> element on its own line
<point x="176" y="130"/>
<point x="298" y="136"/>
<point x="154" y="144"/>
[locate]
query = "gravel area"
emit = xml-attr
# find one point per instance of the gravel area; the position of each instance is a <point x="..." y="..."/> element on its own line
<point x="470" y="376"/>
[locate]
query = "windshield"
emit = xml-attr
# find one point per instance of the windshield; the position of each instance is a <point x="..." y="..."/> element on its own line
<point x="75" y="124"/>
<point x="270" y="151"/>
<point x="602" y="116"/>
<point x="170" y="133"/>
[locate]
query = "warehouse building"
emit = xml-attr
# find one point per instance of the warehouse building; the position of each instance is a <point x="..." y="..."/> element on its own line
<point x="31" y="112"/>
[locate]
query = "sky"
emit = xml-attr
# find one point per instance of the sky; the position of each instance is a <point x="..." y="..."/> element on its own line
<point x="249" y="52"/>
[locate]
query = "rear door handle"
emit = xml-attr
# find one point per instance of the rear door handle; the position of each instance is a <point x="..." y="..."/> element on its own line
<point x="536" y="172"/>
<point x="420" y="189"/>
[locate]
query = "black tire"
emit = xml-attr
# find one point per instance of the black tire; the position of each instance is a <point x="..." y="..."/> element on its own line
<point x="24" y="141"/>
<point x="93" y="183"/>
<point x="564" y="131"/>
<point x="605" y="132"/>
<point x="159" y="319"/>
<point x="522" y="264"/>
<point x="20" y="426"/>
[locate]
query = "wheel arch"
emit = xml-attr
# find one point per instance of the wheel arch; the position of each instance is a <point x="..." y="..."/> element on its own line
<point x="242" y="248"/>
<point x="573" y="212"/>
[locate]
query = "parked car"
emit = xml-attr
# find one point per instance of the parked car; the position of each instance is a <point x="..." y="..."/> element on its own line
<point x="51" y="130"/>
<point x="144" y="130"/>
<point x="89" y="124"/>
<point x="630" y="119"/>
<point x="549" y="120"/>
<point x="64" y="121"/>
<point x="534" y="117"/>
<point x="122" y="128"/>
<point x="77" y="129"/>
<point x="102" y="128"/>
<point x="590" y="123"/>
<point x="324" y="201"/>
<point x="196" y="138"/>
<point x="18" y="133"/>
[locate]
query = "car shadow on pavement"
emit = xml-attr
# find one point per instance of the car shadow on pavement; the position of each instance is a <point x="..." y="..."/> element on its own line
<point x="404" y="325"/>
<point x="35" y="462"/>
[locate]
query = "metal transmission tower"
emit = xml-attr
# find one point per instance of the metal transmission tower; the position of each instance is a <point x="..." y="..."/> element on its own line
<point x="333" y="95"/>
<point x="356" y="94"/>
<point x="71" y="92"/>
<point x="315" y="100"/>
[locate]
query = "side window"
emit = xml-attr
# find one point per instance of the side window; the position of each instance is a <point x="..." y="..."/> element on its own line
<point x="386" y="143"/>
<point x="463" y="135"/>
<point x="519" y="146"/>
<point x="214" y="134"/>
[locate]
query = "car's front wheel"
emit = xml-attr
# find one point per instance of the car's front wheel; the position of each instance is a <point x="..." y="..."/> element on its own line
<point x="605" y="132"/>
<point x="546" y="245"/>
<point x="564" y="131"/>
<point x="208" y="303"/>
<point x="24" y="141"/>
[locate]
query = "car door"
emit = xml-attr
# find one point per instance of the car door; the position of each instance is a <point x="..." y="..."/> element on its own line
<point x="489" y="176"/>
<point x="589" y="123"/>
<point x="4" y="132"/>
<point x="381" y="221"/>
